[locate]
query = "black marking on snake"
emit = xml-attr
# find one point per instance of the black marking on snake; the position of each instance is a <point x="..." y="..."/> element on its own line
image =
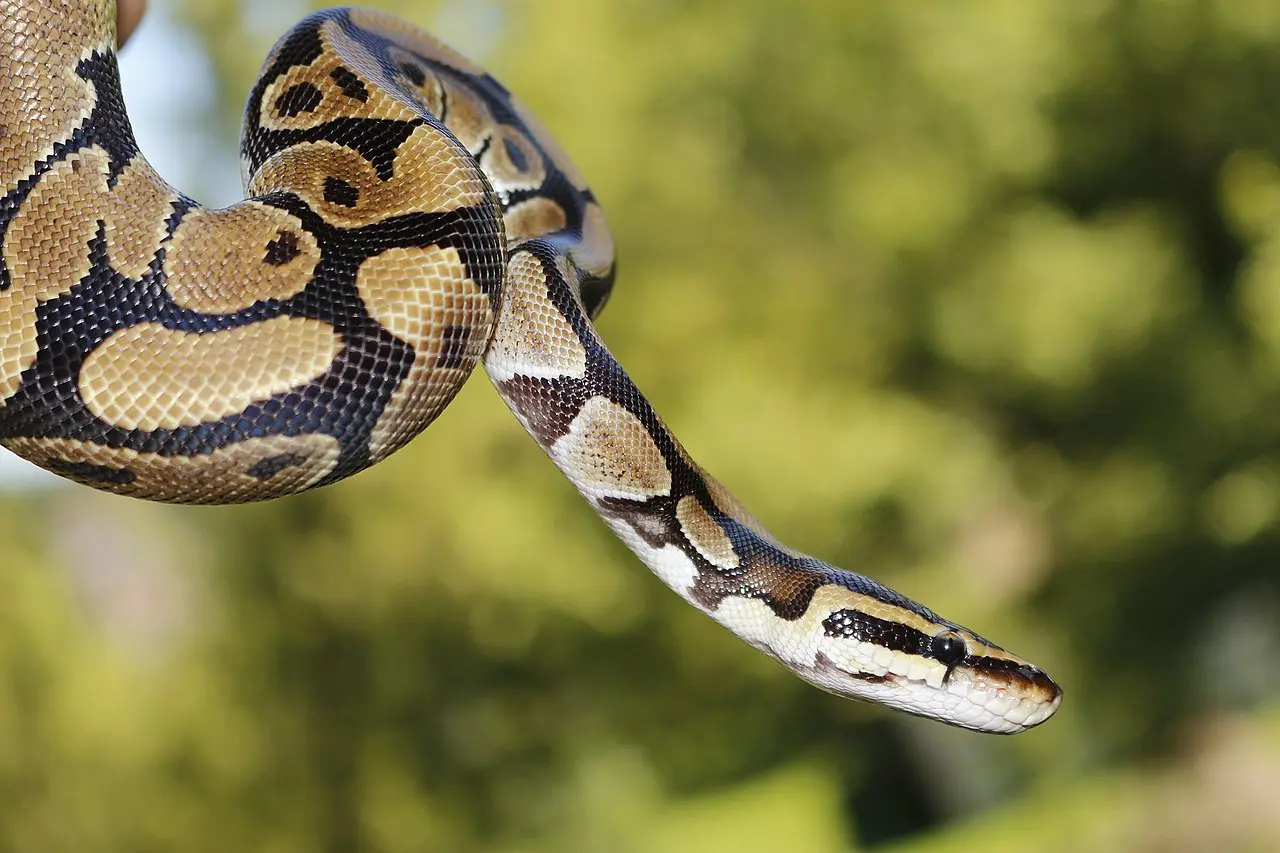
<point x="298" y="99"/>
<point x="300" y="47"/>
<point x="108" y="126"/>
<point x="516" y="155"/>
<point x="1025" y="673"/>
<point x="374" y="139"/>
<point x="87" y="472"/>
<point x="550" y="404"/>
<point x="490" y="82"/>
<point x="180" y="210"/>
<point x="472" y="231"/>
<point x="269" y="466"/>
<point x="654" y="521"/>
<point x="103" y="127"/>
<point x="352" y="86"/>
<point x="478" y="156"/>
<point x="413" y="72"/>
<point x="821" y="662"/>
<point x="856" y="625"/>
<point x="595" y="290"/>
<point x="453" y="346"/>
<point x="338" y="191"/>
<point x="283" y="249"/>
<point x="444" y="101"/>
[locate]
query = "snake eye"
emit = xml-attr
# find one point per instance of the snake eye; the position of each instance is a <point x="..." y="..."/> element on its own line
<point x="948" y="648"/>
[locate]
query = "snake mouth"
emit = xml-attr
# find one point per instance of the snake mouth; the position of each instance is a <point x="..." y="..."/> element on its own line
<point x="995" y="699"/>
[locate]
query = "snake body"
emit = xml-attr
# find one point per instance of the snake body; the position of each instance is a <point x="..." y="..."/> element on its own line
<point x="406" y="219"/>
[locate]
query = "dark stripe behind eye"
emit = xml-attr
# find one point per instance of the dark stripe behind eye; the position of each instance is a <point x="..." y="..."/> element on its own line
<point x="854" y="624"/>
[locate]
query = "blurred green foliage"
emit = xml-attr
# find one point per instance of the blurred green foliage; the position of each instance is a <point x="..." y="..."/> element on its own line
<point x="980" y="298"/>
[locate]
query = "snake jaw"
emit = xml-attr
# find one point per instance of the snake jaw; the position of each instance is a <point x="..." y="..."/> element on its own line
<point x="966" y="697"/>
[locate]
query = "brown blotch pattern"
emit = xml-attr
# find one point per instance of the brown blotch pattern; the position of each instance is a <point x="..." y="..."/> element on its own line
<point x="47" y="253"/>
<point x="534" y="338"/>
<point x="148" y="377"/>
<point x="609" y="453"/>
<point x="298" y="99"/>
<point x="330" y="88"/>
<point x="46" y="247"/>
<point x="422" y="296"/>
<point x="594" y="254"/>
<point x="705" y="534"/>
<point x="225" y="475"/>
<point x="42" y="70"/>
<point x="467" y="117"/>
<point x="222" y="261"/>
<point x="351" y="84"/>
<point x="135" y="216"/>
<point x="283" y="249"/>
<point x="512" y="162"/>
<point x="535" y="217"/>
<point x="412" y="76"/>
<point x="431" y="175"/>
<point x="788" y="588"/>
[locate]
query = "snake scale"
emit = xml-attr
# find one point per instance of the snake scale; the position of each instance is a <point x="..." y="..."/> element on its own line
<point x="406" y="219"/>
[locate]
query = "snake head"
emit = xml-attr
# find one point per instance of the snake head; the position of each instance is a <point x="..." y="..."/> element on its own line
<point x="860" y="640"/>
<point x="910" y="659"/>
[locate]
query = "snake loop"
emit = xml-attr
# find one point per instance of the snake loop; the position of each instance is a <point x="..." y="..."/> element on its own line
<point x="406" y="219"/>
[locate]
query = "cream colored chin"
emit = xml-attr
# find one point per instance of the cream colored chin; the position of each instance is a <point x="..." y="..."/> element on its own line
<point x="959" y="702"/>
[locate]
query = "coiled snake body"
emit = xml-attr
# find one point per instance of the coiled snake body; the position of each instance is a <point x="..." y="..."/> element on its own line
<point x="407" y="218"/>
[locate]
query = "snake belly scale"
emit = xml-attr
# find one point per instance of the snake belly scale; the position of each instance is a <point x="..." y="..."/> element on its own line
<point x="406" y="219"/>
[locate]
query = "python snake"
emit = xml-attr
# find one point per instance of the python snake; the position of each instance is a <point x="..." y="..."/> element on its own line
<point x="406" y="219"/>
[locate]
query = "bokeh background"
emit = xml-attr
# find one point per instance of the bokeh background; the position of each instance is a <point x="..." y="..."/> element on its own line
<point x="980" y="298"/>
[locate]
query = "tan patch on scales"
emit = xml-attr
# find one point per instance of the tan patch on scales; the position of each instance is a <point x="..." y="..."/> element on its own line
<point x="221" y="476"/>
<point x="222" y="261"/>
<point x="148" y="377"/>
<point x="431" y="175"/>
<point x="533" y="338"/>
<point x="535" y="217"/>
<point x="425" y="298"/>
<point x="40" y="91"/>
<point x="46" y="246"/>
<point x="609" y="453"/>
<point x="705" y="534"/>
